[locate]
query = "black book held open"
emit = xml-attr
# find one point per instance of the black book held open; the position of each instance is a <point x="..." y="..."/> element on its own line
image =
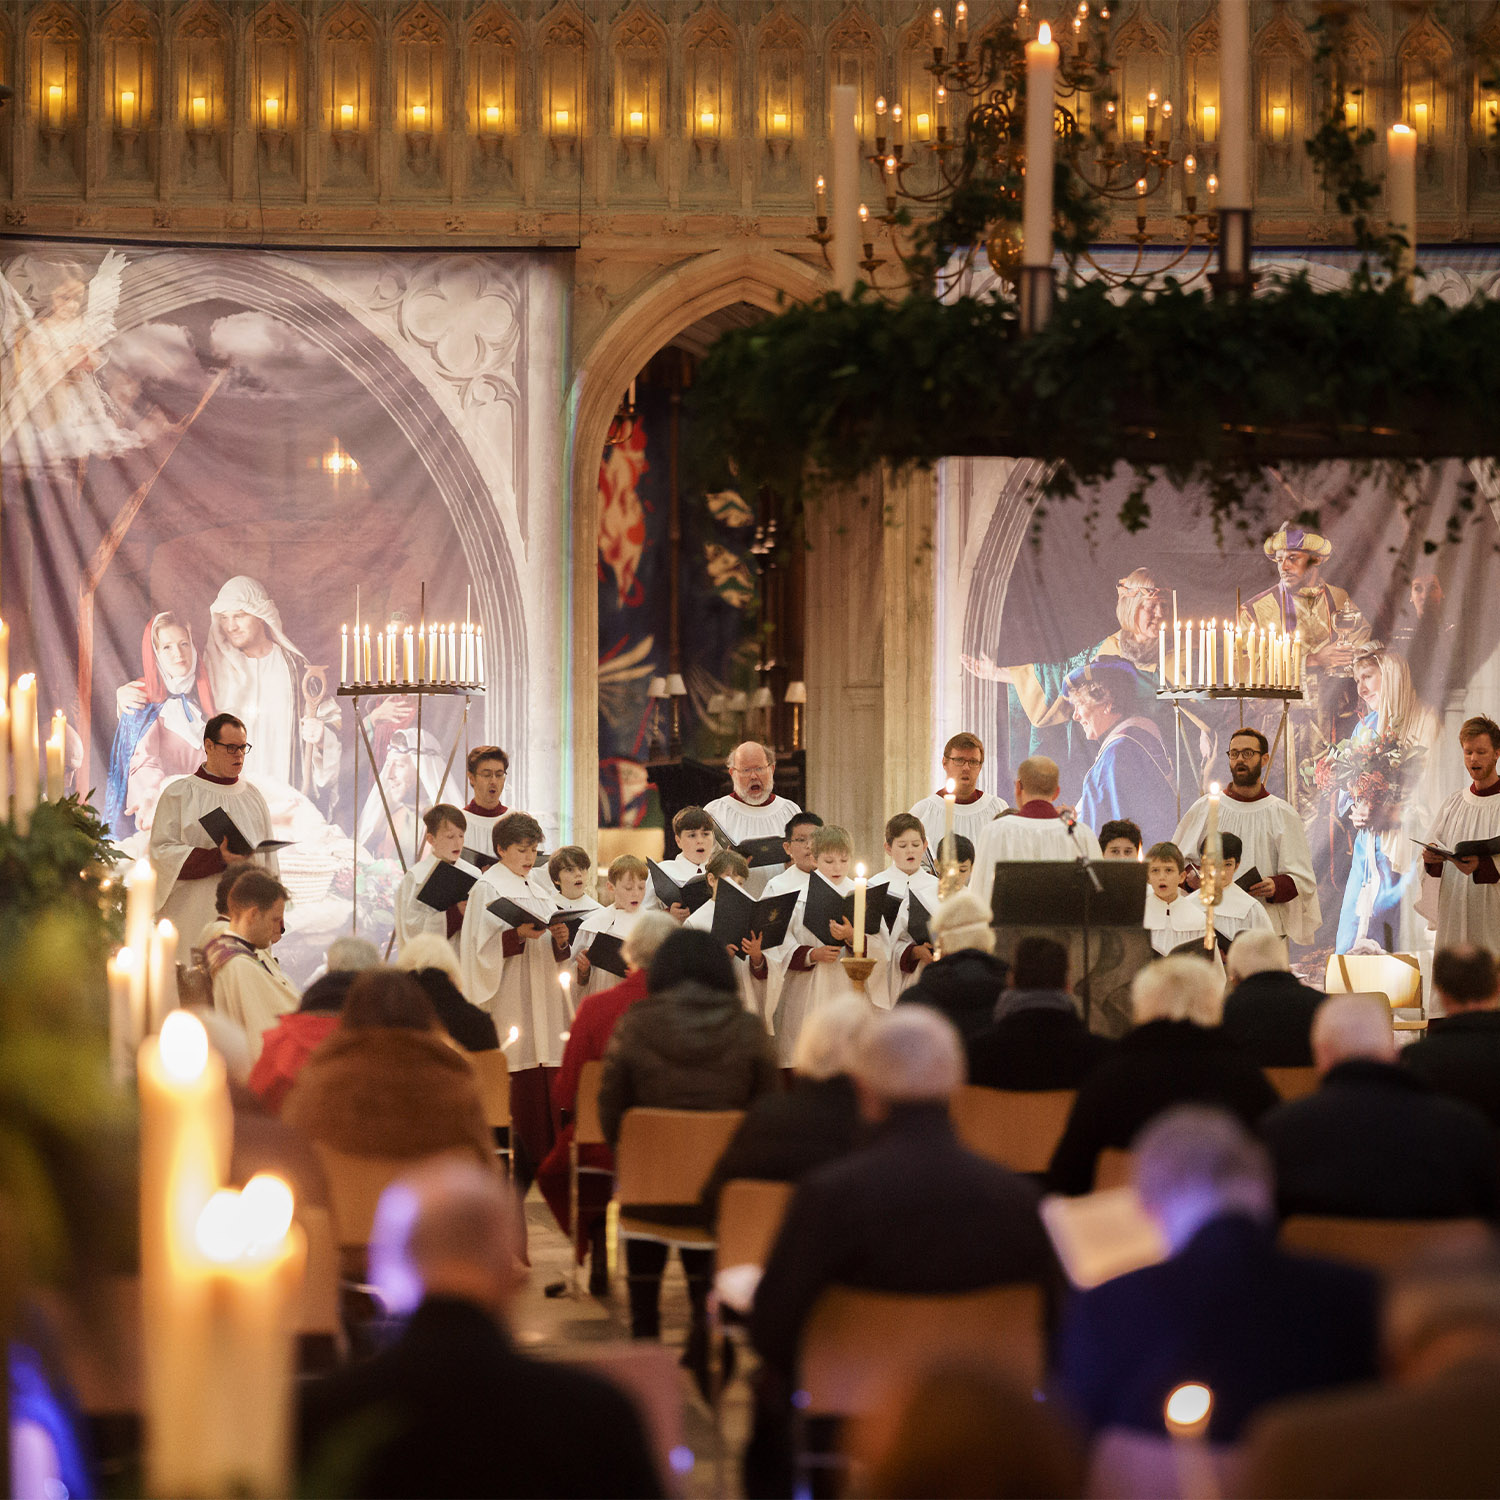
<point x="607" y="952"/>
<point x="737" y="916"/>
<point x="917" y="917"/>
<point x="478" y="860"/>
<point x="887" y="904"/>
<point x="572" y="920"/>
<point x="825" y="905"/>
<point x="219" y="826"/>
<point x="1252" y="876"/>
<point x="517" y="916"/>
<point x="692" y="895"/>
<point x="1468" y="849"/>
<point x="759" y="852"/>
<point x="446" y="886"/>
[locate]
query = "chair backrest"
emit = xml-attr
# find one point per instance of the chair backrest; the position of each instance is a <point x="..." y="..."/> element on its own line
<point x="750" y="1215"/>
<point x="1019" y="1130"/>
<point x="644" y="843"/>
<point x="1383" y="1244"/>
<point x="355" y="1184"/>
<point x="492" y="1072"/>
<point x="665" y="1155"/>
<point x="1129" y="1465"/>
<point x="1397" y="976"/>
<point x="318" y="1309"/>
<point x="588" y="1128"/>
<point x="1293" y="1083"/>
<point x="856" y="1343"/>
<point x="1112" y="1169"/>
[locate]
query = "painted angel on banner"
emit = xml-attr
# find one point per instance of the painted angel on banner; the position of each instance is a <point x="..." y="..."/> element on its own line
<point x="52" y="404"/>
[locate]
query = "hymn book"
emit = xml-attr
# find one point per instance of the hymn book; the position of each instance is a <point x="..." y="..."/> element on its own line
<point x="607" y="952"/>
<point x="516" y="916"/>
<point x="1102" y="1235"/>
<point x="738" y="916"/>
<point x="692" y="894"/>
<point x="916" y="921"/>
<point x="1252" y="876"/>
<point x="220" y="827"/>
<point x="478" y="860"/>
<point x="825" y="906"/>
<point x="446" y="887"/>
<point x="1468" y="849"/>
<point x="757" y="852"/>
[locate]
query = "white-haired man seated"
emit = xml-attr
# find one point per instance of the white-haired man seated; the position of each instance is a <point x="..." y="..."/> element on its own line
<point x="452" y="1407"/>
<point x="966" y="981"/>
<point x="1267" y="1009"/>
<point x="1375" y="1142"/>
<point x="1177" y="1054"/>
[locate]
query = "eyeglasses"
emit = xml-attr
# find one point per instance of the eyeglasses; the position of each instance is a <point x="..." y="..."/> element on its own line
<point x="1244" y="755"/>
<point x="747" y="770"/>
<point x="962" y="760"/>
<point x="232" y="749"/>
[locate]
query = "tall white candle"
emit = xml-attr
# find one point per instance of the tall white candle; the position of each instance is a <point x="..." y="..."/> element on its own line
<point x="1161" y="654"/>
<point x="161" y="993"/>
<point x="1041" y="75"/>
<point x="1297" y="662"/>
<point x="4" y="662"/>
<point x="950" y="788"/>
<point x="859" y="911"/>
<point x="1176" y="651"/>
<point x="844" y="226"/>
<point x="1187" y="670"/>
<point x="119" y="969"/>
<point x="1401" y="190"/>
<point x="1232" y="652"/>
<point x="25" y="775"/>
<point x="343" y="656"/>
<point x="1234" y="103"/>
<point x="479" y="636"/>
<point x="57" y="742"/>
<point x="4" y="760"/>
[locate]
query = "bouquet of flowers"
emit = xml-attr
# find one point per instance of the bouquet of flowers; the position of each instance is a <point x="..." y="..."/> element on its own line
<point x="1365" y="770"/>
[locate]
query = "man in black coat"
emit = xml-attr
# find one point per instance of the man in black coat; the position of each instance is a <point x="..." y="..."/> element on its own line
<point x="1177" y="1054"/>
<point x="967" y="980"/>
<point x="1375" y="1142"/>
<point x="1460" y="1055"/>
<point x="1226" y="1307"/>
<point x="1038" y="1039"/>
<point x="452" y="1408"/>
<point x="1268" y="1010"/>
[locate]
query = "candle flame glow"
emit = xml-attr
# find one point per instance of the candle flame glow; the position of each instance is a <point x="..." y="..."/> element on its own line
<point x="1044" y="34"/>
<point x="950" y="786"/>
<point x="223" y="1230"/>
<point x="859" y="872"/>
<point x="1189" y="1405"/>
<point x="266" y="1205"/>
<point x="183" y="1043"/>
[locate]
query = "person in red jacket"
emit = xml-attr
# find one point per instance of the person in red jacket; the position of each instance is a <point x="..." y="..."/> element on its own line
<point x="588" y="1036"/>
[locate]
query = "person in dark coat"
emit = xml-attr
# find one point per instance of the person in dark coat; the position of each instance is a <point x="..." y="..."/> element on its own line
<point x="967" y="980"/>
<point x="911" y="1210"/>
<point x="784" y="1136"/>
<point x="431" y="961"/>
<point x="692" y="1045"/>
<point x="452" y="1407"/>
<point x="1460" y="1055"/>
<point x="1177" y="1054"/>
<point x="1268" y="1010"/>
<point x="1037" y="1039"/>
<point x="1375" y="1142"/>
<point x="1226" y="1308"/>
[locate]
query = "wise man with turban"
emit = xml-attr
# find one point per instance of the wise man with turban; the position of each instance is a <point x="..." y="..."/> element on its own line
<point x="1301" y="600"/>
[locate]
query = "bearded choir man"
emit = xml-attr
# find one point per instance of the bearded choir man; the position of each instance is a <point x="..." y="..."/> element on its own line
<point x="1462" y="886"/>
<point x="508" y="959"/>
<point x="187" y="858"/>
<point x="752" y="812"/>
<point x="1033" y="830"/>
<point x="1271" y="835"/>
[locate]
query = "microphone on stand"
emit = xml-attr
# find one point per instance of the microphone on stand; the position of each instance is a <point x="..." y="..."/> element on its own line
<point x="1070" y="822"/>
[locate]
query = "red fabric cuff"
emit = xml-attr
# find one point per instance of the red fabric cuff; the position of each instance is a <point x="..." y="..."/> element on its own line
<point x="512" y="943"/>
<point x="1487" y="874"/>
<point x="800" y="961"/>
<point x="1433" y="867"/>
<point x="1286" y="889"/>
<point x="453" y="920"/>
<point x="909" y="959"/>
<point x="201" y="864"/>
<point x="759" y="969"/>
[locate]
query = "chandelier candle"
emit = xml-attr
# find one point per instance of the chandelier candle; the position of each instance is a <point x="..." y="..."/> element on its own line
<point x="1234" y="137"/>
<point x="1036" y="257"/>
<point x="845" y="223"/>
<point x="1401" y="192"/>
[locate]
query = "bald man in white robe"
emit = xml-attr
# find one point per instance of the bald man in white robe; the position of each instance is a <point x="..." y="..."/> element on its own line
<point x="1035" y="829"/>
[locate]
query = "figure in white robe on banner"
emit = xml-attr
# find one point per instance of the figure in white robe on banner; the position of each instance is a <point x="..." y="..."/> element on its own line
<point x="753" y="810"/>
<point x="1034" y="829"/>
<point x="188" y="861"/>
<point x="1462" y="895"/>
<point x="1273" y="839"/>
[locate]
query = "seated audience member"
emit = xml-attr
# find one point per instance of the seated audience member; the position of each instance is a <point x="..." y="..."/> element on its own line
<point x="248" y="985"/>
<point x="452" y="1407"/>
<point x="785" y="1135"/>
<point x="588" y="1038"/>
<point x="1177" y="1054"/>
<point x="1460" y="1054"/>
<point x="966" y="981"/>
<point x="385" y="1083"/>
<point x="1431" y="1431"/>
<point x="1226" y="1307"/>
<point x="1268" y="1010"/>
<point x="1120" y="839"/>
<point x="1375" y="1142"/>
<point x="290" y="1042"/>
<point x="430" y="960"/>
<point x="1038" y="1039"/>
<point x="690" y="1045"/>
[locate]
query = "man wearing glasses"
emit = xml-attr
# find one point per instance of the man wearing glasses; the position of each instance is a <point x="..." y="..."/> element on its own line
<point x="752" y="814"/>
<point x="186" y="858"/>
<point x="1272" y="833"/>
<point x="963" y="760"/>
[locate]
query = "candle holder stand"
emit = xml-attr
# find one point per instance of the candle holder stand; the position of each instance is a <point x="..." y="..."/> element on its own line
<point x="1234" y="278"/>
<point x="858" y="970"/>
<point x="1036" y="291"/>
<point x="1284" y="696"/>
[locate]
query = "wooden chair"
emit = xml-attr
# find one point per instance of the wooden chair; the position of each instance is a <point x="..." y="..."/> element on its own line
<point x="318" y="1307"/>
<point x="644" y="843"/>
<point x="1130" y="1465"/>
<point x="663" y="1157"/>
<point x="1112" y="1169"/>
<point x="1293" y="1083"/>
<point x="1384" y="1245"/>
<point x="492" y="1072"/>
<point x="588" y="1130"/>
<point x="750" y="1215"/>
<point x="1397" y="976"/>
<point x="1019" y="1130"/>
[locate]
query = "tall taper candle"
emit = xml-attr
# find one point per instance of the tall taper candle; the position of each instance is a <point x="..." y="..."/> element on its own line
<point x="1234" y="104"/>
<point x="1041" y="76"/>
<point x="57" y="743"/>
<point x="1401" y="192"/>
<point x="859" y="911"/>
<point x="24" y="753"/>
<point x="844" y="225"/>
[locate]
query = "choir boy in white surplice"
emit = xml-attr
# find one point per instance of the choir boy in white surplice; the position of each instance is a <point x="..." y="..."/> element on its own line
<point x="510" y="970"/>
<point x="1033" y="830"/>
<point x="187" y="859"/>
<point x="1463" y="895"/>
<point x="628" y="879"/>
<point x="1272" y="836"/>
<point x="750" y="966"/>
<point x="1173" y="916"/>
<point x="247" y="983"/>
<point x="805" y="972"/>
<point x="486" y="766"/>
<point x="963" y="760"/>
<point x="1236" y="912"/>
<point x="1120" y="839"/>
<point x="905" y="843"/>
<point x="446" y="832"/>
<point x="798" y="844"/>
<point x="753" y="810"/>
<point x="693" y="829"/>
<point x="566" y="882"/>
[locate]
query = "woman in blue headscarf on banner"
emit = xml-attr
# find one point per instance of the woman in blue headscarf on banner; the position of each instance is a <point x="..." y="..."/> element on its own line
<point x="163" y="739"/>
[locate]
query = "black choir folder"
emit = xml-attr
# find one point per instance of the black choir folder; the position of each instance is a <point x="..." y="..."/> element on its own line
<point x="692" y="895"/>
<point x="219" y="826"/>
<point x="738" y="916"/>
<point x="478" y="860"/>
<point x="759" y="852"/>
<point x="1468" y="849"/>
<point x="917" y="917"/>
<point x="1252" y="876"/>
<point x="607" y="952"/>
<point x="446" y="886"/>
<point x="825" y="905"/>
<point x="572" y="920"/>
<point x="517" y="916"/>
